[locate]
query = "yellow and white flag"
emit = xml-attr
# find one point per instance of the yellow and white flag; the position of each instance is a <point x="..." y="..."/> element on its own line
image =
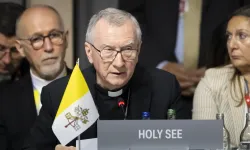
<point x="77" y="110"/>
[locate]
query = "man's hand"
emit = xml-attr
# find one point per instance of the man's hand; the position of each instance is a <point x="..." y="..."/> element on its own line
<point x="181" y="74"/>
<point x="201" y="72"/>
<point x="60" y="147"/>
<point x="196" y="74"/>
<point x="187" y="79"/>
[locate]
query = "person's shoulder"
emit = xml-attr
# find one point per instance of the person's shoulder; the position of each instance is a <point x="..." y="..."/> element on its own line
<point x="61" y="83"/>
<point x="156" y="77"/>
<point x="18" y="85"/>
<point x="52" y="93"/>
<point x="3" y="85"/>
<point x="11" y="92"/>
<point x="220" y="73"/>
<point x="219" y="76"/>
<point x="160" y="75"/>
<point x="58" y="84"/>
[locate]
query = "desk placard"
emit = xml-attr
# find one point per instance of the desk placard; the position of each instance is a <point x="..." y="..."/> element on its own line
<point x="159" y="134"/>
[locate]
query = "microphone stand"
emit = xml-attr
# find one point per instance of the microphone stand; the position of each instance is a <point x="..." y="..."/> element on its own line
<point x="121" y="105"/>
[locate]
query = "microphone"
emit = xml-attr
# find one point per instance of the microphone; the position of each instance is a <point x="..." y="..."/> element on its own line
<point x="121" y="104"/>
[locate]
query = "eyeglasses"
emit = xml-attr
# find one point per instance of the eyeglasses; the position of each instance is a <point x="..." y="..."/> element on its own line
<point x="3" y="50"/>
<point x="108" y="55"/>
<point x="37" y="41"/>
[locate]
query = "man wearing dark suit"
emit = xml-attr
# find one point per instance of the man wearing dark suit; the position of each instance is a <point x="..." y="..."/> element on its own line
<point x="43" y="42"/>
<point x="160" y="46"/>
<point x="112" y="46"/>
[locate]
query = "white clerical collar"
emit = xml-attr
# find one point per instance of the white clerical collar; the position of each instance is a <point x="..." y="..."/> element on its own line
<point x="115" y="94"/>
<point x="39" y="83"/>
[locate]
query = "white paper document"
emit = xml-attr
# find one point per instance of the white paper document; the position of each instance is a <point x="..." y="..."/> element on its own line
<point x="88" y="144"/>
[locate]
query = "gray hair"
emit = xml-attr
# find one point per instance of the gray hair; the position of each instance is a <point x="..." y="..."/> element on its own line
<point x="114" y="17"/>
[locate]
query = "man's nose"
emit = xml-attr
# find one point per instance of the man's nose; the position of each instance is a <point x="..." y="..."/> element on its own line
<point x="48" y="46"/>
<point x="6" y="59"/>
<point x="118" y="61"/>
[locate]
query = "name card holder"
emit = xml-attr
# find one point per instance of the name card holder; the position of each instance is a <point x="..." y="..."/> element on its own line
<point x="159" y="134"/>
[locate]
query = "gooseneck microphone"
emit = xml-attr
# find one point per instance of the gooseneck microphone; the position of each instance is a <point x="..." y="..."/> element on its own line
<point x="121" y="104"/>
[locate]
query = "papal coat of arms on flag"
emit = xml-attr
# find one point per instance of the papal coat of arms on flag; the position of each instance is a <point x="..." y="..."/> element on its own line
<point x="77" y="110"/>
<point x="82" y="115"/>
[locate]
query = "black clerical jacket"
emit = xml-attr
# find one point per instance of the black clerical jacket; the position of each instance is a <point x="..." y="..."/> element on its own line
<point x="153" y="91"/>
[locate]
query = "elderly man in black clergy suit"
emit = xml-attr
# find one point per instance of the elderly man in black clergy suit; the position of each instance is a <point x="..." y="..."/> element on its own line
<point x="113" y="41"/>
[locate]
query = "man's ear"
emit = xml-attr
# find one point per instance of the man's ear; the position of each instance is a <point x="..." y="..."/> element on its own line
<point x="19" y="48"/>
<point x="88" y="51"/>
<point x="139" y="47"/>
<point x="66" y="39"/>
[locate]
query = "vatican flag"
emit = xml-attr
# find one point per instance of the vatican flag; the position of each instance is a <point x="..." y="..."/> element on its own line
<point x="77" y="110"/>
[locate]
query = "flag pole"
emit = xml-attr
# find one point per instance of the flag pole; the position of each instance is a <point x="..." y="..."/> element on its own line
<point x="78" y="62"/>
<point x="79" y="137"/>
<point x="79" y="140"/>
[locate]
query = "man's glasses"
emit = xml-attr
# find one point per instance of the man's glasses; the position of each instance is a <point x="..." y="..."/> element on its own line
<point x="3" y="50"/>
<point x="37" y="41"/>
<point x="108" y="55"/>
